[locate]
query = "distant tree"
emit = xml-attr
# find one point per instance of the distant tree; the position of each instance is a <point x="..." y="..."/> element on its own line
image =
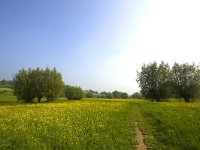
<point x="73" y="92"/>
<point x="124" y="95"/>
<point x="186" y="79"/>
<point x="102" y="95"/>
<point x="136" y="95"/>
<point x="109" y="95"/>
<point x="91" y="94"/>
<point x="155" y="81"/>
<point x="105" y="95"/>
<point x="6" y="83"/>
<point x="116" y="94"/>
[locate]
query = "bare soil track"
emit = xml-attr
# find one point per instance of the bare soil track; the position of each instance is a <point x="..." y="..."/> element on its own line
<point x="139" y="139"/>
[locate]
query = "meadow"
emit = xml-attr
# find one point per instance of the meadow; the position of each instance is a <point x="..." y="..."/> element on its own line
<point x="98" y="124"/>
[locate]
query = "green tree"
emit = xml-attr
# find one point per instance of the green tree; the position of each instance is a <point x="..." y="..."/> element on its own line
<point x="109" y="95"/>
<point x="155" y="81"/>
<point x="22" y="85"/>
<point x="136" y="95"/>
<point x="91" y="94"/>
<point x="37" y="83"/>
<point x="124" y="95"/>
<point x="186" y="79"/>
<point x="36" y="78"/>
<point x="53" y="84"/>
<point x="6" y="83"/>
<point x="116" y="94"/>
<point x="105" y="95"/>
<point x="73" y="92"/>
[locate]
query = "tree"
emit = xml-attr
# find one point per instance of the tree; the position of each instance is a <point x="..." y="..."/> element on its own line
<point x="124" y="95"/>
<point x="186" y="79"/>
<point x="53" y="84"/>
<point x="22" y="85"/>
<point x="105" y="95"/>
<point x="108" y="95"/>
<point x="73" y="92"/>
<point x="91" y="94"/>
<point x="155" y="81"/>
<point x="6" y="83"/>
<point x="116" y="94"/>
<point x="37" y="83"/>
<point x="136" y="95"/>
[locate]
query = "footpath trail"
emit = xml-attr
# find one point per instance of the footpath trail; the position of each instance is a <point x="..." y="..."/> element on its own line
<point x="139" y="138"/>
<point x="144" y="136"/>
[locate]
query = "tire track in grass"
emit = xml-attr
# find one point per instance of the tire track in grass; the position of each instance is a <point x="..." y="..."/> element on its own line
<point x="139" y="138"/>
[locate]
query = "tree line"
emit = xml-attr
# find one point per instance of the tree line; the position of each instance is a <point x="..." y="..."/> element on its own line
<point x="6" y="83"/>
<point x="109" y="95"/>
<point x="39" y="83"/>
<point x="159" y="81"/>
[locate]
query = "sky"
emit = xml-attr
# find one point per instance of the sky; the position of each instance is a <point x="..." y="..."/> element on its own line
<point x="97" y="44"/>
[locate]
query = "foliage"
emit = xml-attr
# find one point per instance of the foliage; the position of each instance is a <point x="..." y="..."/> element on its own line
<point x="155" y="81"/>
<point x="53" y="84"/>
<point x="73" y="92"/>
<point x="109" y="95"/>
<point x="136" y="95"/>
<point x="124" y="95"/>
<point x="39" y="83"/>
<point x="116" y="94"/>
<point x="6" y="83"/>
<point x="22" y="85"/>
<point x="186" y="79"/>
<point x="105" y="95"/>
<point x="91" y="94"/>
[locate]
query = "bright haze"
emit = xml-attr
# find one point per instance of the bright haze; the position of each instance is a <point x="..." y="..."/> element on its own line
<point x="97" y="44"/>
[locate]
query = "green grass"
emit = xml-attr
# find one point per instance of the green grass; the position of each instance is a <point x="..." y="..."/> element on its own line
<point x="6" y="91"/>
<point x="173" y="125"/>
<point x="98" y="124"/>
<point x="69" y="125"/>
<point x="6" y="96"/>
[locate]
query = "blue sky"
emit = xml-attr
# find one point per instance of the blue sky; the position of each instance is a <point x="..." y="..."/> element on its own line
<point x="97" y="44"/>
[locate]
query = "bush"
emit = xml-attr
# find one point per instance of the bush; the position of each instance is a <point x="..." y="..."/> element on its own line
<point x="73" y="92"/>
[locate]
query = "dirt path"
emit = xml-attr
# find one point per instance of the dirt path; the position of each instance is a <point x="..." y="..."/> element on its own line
<point x="139" y="138"/>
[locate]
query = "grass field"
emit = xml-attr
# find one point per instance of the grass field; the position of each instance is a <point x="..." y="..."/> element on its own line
<point x="176" y="125"/>
<point x="70" y="125"/>
<point x="98" y="124"/>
